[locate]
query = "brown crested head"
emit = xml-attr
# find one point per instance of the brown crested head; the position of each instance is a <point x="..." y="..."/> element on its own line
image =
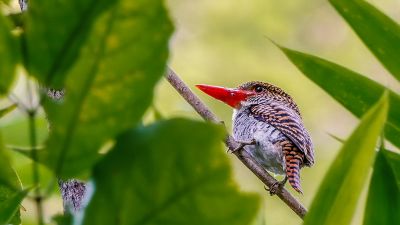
<point x="268" y="91"/>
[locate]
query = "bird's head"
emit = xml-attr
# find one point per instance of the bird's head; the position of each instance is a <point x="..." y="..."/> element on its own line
<point x="250" y="93"/>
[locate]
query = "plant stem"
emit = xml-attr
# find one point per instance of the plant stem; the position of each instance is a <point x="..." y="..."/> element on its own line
<point x="35" y="166"/>
<point x="243" y="156"/>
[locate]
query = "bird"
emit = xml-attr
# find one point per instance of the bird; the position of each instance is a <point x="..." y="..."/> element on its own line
<point x="267" y="123"/>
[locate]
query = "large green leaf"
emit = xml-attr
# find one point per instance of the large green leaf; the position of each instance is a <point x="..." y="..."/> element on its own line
<point x="383" y="204"/>
<point x="110" y="86"/>
<point x="9" y="207"/>
<point x="380" y="33"/>
<point x="55" y="31"/>
<point x="337" y="196"/>
<point x="354" y="91"/>
<point x="9" y="55"/>
<point x="172" y="172"/>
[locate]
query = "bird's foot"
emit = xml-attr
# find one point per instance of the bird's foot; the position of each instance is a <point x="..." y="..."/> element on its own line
<point x="276" y="187"/>
<point x="241" y="145"/>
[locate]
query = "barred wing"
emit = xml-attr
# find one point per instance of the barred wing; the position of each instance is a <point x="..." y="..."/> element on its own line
<point x="289" y="123"/>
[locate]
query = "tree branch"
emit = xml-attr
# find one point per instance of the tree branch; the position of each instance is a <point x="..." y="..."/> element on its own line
<point x="243" y="156"/>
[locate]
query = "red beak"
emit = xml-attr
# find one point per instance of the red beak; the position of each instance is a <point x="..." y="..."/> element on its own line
<point x="230" y="96"/>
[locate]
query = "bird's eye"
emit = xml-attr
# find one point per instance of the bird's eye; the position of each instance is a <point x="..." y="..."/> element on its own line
<point x="258" y="88"/>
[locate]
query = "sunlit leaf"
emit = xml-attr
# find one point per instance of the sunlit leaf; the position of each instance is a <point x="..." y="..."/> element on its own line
<point x="9" y="207"/>
<point x="110" y="86"/>
<point x="383" y="201"/>
<point x="378" y="32"/>
<point x="55" y="31"/>
<point x="9" y="53"/>
<point x="338" y="194"/>
<point x="163" y="174"/>
<point x="354" y="91"/>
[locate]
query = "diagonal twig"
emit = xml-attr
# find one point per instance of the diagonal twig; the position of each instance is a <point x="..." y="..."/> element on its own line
<point x="243" y="156"/>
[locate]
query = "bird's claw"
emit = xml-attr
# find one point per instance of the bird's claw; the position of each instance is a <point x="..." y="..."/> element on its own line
<point x="241" y="145"/>
<point x="273" y="190"/>
<point x="276" y="187"/>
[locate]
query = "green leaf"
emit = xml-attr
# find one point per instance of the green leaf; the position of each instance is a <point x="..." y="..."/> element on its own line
<point x="378" y="32"/>
<point x="63" y="219"/>
<point x="9" y="208"/>
<point x="9" y="55"/>
<point x="9" y="185"/>
<point x="8" y="176"/>
<point x="110" y="86"/>
<point x="6" y="110"/>
<point x="163" y="174"/>
<point x="55" y="32"/>
<point x="337" y="196"/>
<point x="383" y="201"/>
<point x="354" y="91"/>
<point x="393" y="160"/>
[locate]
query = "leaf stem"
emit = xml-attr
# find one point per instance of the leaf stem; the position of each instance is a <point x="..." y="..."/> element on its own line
<point x="35" y="165"/>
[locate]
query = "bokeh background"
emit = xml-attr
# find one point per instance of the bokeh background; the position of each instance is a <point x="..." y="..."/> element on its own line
<point x="227" y="43"/>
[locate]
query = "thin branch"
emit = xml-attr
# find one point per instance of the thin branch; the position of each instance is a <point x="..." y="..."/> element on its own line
<point x="243" y="156"/>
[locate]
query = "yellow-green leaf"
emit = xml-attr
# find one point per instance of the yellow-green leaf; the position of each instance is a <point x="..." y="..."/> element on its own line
<point x="338" y="194"/>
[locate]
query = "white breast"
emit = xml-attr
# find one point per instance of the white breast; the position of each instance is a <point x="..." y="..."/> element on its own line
<point x="267" y="150"/>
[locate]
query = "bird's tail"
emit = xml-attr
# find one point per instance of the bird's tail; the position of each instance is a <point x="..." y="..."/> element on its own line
<point x="294" y="161"/>
<point x="293" y="172"/>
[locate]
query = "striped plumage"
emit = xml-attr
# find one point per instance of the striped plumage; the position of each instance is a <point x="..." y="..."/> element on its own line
<point x="273" y="120"/>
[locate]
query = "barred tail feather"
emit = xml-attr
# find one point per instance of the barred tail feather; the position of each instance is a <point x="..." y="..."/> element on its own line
<point x="293" y="173"/>
<point x="294" y="161"/>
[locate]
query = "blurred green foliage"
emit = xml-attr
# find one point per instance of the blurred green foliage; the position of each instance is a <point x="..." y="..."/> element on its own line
<point x="60" y="46"/>
<point x="115" y="68"/>
<point x="9" y="50"/>
<point x="164" y="176"/>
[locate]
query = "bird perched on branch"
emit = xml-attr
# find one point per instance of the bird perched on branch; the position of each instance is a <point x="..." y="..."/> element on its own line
<point x="268" y="124"/>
